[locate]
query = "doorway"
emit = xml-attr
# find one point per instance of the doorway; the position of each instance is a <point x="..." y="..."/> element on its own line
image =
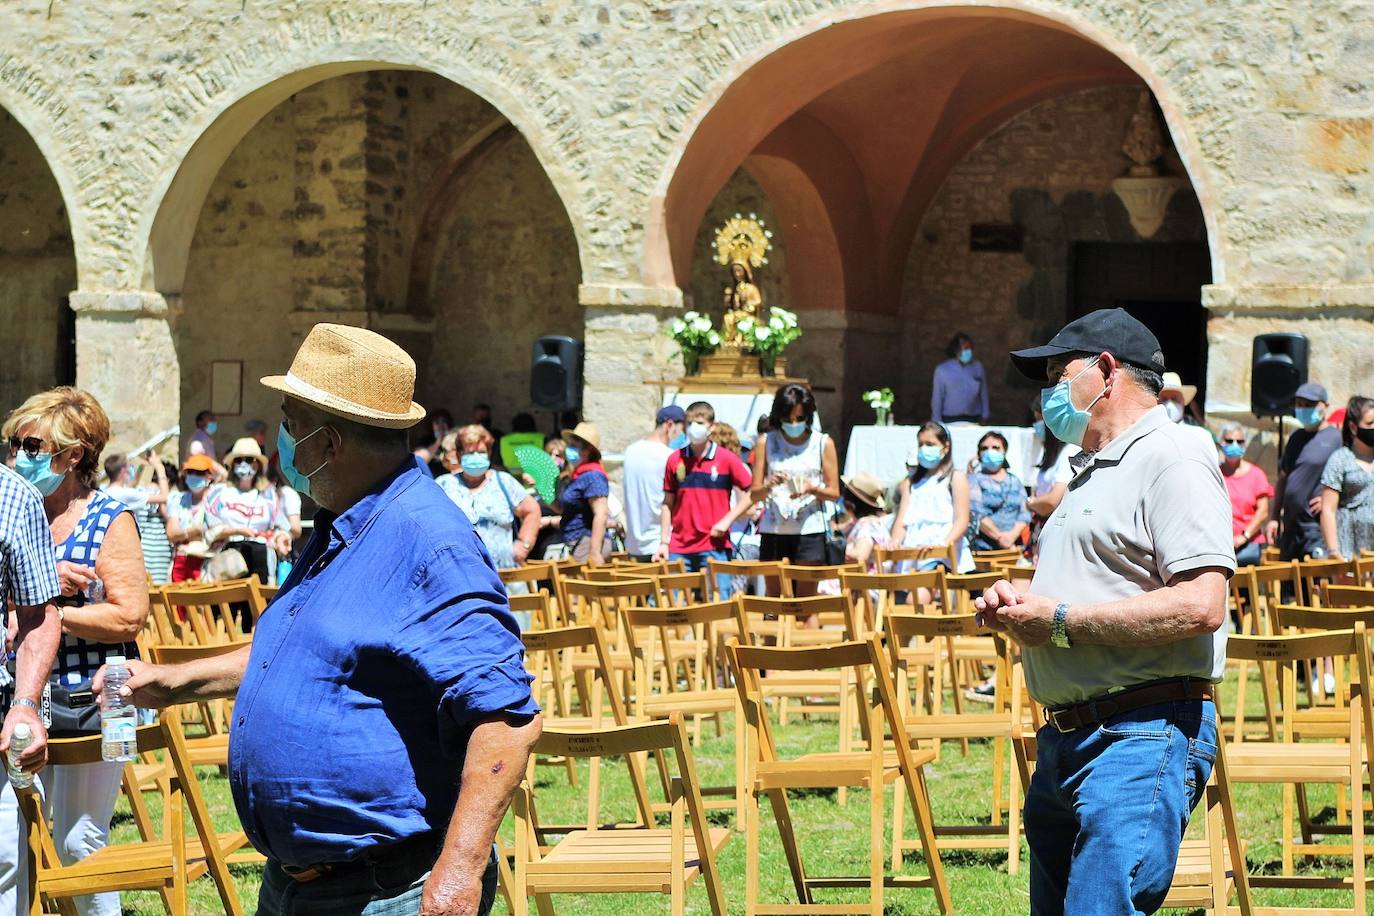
<point x="1159" y="283"/>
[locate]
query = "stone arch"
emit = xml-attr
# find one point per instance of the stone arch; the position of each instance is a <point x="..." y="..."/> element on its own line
<point x="716" y="135"/>
<point x="211" y="108"/>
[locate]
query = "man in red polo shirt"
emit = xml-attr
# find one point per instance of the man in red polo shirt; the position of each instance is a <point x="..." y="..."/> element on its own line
<point x="697" y="485"/>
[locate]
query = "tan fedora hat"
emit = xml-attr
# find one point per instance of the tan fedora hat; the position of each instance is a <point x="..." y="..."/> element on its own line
<point x="1172" y="382"/>
<point x="867" y="488"/>
<point x="353" y="373"/>
<point x="587" y="433"/>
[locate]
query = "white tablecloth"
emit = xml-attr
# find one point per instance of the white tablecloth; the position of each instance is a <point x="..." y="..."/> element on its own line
<point x="882" y="450"/>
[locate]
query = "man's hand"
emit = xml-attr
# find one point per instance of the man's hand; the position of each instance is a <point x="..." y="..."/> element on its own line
<point x="148" y="686"/>
<point x="1271" y="531"/>
<point x="452" y="891"/>
<point x="1314" y="505"/>
<point x="35" y="756"/>
<point x="1025" y="618"/>
<point x="74" y="577"/>
<point x="660" y="553"/>
<point x="720" y="530"/>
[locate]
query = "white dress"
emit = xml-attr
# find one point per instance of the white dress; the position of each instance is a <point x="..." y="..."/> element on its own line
<point x="929" y="517"/>
<point x="784" y="513"/>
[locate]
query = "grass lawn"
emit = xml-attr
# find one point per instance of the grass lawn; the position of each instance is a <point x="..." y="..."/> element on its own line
<point x="834" y="839"/>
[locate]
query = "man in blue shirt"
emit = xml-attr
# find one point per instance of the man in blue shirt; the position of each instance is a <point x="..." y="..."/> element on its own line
<point x="383" y="715"/>
<point x="959" y="388"/>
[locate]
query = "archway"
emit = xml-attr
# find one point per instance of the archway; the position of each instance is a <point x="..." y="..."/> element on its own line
<point x="877" y="112"/>
<point x="37" y="271"/>
<point x="393" y="199"/>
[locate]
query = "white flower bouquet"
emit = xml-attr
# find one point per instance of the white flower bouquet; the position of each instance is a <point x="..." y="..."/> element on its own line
<point x="694" y="336"/>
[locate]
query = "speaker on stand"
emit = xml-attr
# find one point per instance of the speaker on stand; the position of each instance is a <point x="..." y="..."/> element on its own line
<point x="1278" y="367"/>
<point x="556" y="375"/>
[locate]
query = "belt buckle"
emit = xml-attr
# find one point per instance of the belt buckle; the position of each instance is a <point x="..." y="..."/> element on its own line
<point x="305" y="875"/>
<point x="1052" y="717"/>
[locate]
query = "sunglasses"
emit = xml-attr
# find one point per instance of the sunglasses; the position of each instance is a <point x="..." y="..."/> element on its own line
<point x="31" y="445"/>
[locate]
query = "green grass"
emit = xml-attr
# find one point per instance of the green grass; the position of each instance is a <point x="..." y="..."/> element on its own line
<point x="834" y="839"/>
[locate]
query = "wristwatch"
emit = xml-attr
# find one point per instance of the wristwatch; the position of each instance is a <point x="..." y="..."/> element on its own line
<point x="1059" y="633"/>
<point x="25" y="701"/>
<point x="524" y="543"/>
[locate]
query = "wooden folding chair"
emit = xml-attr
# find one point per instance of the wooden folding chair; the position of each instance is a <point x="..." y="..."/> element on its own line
<point x="698" y="697"/>
<point x="901" y="631"/>
<point x="803" y="580"/>
<point x="539" y="605"/>
<point x="213" y="609"/>
<point x="1292" y="762"/>
<point x="635" y="858"/>
<point x="876" y="595"/>
<point x="905" y="559"/>
<point x="871" y="769"/>
<point x="1255" y="592"/>
<point x="1205" y="875"/>
<point x="554" y="648"/>
<point x="992" y="560"/>
<point x="1315" y="574"/>
<point x="784" y="621"/>
<point x="768" y="570"/>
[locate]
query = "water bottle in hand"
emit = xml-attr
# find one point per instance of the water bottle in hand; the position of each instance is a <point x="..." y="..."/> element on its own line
<point x="20" y="739"/>
<point x="95" y="592"/>
<point x="118" y="716"/>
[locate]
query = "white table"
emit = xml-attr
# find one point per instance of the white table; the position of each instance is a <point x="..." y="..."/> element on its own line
<point x="882" y="450"/>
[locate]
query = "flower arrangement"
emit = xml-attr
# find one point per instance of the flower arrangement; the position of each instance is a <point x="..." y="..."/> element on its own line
<point x="881" y="400"/>
<point x="769" y="338"/>
<point x="694" y="336"/>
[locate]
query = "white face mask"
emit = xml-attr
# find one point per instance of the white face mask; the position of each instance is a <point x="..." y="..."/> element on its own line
<point x="698" y="432"/>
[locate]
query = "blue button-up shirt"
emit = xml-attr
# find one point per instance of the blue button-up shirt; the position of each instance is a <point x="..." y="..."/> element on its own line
<point x="958" y="391"/>
<point x="389" y="639"/>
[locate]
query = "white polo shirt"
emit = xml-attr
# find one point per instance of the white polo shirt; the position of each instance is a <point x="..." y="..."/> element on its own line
<point x="1149" y="506"/>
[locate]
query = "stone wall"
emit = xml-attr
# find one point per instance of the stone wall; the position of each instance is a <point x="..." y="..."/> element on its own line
<point x="37" y="269"/>
<point x="316" y="215"/>
<point x="1048" y="172"/>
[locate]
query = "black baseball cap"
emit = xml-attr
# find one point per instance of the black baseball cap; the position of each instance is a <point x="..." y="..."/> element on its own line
<point x="1111" y="331"/>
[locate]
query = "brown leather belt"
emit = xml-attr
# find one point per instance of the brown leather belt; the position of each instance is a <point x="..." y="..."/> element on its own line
<point x="418" y="850"/>
<point x="1067" y="719"/>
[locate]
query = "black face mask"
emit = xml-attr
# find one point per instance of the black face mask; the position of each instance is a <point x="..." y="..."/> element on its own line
<point x="1365" y="435"/>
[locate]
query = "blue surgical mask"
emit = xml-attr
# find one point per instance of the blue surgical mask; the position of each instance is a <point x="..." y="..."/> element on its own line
<point x="966" y="356"/>
<point x="1233" y="450"/>
<point x="1308" y="417"/>
<point x="475" y="463"/>
<point x="197" y="483"/>
<point x="678" y="441"/>
<point x="38" y="471"/>
<point x="212" y="427"/>
<point x="794" y="429"/>
<point x="572" y="455"/>
<point x="1063" y="418"/>
<point x="1039" y="428"/>
<point x="991" y="459"/>
<point x="286" y="454"/>
<point x="930" y="456"/>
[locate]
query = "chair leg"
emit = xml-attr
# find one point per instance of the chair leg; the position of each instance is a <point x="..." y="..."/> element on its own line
<point x="898" y="829"/>
<point x="751" y="854"/>
<point x="782" y="815"/>
<point x="877" y="801"/>
<point x="1014" y="792"/>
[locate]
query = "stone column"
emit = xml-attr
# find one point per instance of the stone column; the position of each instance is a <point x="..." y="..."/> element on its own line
<point x="126" y="357"/>
<point x="626" y="348"/>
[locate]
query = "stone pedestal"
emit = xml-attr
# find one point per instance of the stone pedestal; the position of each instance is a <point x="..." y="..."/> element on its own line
<point x="126" y="358"/>
<point x="626" y="346"/>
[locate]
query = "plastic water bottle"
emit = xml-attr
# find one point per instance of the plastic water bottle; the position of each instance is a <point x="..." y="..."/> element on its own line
<point x="118" y="717"/>
<point x="95" y="592"/>
<point x="20" y="738"/>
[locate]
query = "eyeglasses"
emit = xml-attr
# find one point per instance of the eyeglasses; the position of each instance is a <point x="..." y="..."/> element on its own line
<point x="31" y="445"/>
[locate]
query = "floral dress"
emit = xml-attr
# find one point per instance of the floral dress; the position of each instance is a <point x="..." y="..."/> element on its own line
<point x="1355" y="509"/>
<point x="1004" y="501"/>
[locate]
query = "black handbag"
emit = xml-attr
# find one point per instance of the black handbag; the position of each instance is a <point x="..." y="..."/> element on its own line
<point x="75" y="711"/>
<point x="835" y="542"/>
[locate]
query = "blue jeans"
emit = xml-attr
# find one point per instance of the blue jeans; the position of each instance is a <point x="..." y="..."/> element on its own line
<point x="696" y="562"/>
<point x="1107" y="808"/>
<point x="380" y="891"/>
<point x="1249" y="555"/>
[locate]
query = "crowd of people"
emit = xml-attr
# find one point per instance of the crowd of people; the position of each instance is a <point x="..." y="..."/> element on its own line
<point x="693" y="489"/>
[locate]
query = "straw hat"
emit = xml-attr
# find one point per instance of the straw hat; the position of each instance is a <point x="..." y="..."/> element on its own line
<point x="1172" y="382"/>
<point x="353" y="373"/>
<point x="248" y="448"/>
<point x="587" y="433"/>
<point x="866" y="488"/>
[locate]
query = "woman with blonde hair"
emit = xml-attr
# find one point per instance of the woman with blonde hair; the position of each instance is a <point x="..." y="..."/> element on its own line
<point x="56" y="438"/>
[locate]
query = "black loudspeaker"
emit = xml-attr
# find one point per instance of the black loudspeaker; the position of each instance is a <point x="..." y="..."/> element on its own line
<point x="1278" y="366"/>
<point x="556" y="373"/>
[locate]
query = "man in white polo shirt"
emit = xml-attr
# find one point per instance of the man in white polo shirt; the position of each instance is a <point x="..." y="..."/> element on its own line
<point x="1122" y="627"/>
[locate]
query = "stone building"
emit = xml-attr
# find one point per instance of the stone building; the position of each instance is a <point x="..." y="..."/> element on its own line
<point x="193" y="184"/>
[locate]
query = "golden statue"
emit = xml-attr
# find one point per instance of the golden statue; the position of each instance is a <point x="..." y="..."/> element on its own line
<point x="741" y="245"/>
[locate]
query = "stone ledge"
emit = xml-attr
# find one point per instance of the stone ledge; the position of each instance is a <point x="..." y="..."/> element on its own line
<point x="594" y="295"/>
<point x="124" y="303"/>
<point x="1287" y="299"/>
